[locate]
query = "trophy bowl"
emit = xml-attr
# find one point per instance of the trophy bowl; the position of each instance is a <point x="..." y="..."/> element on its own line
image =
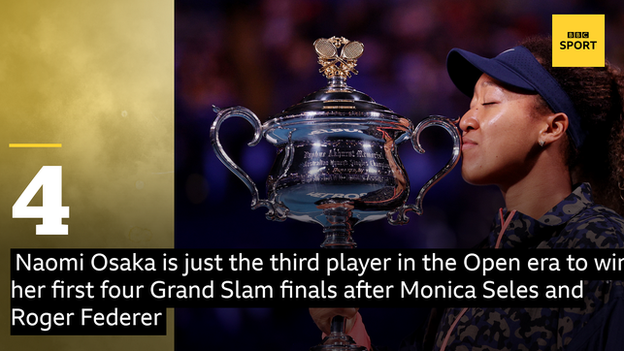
<point x="337" y="162"/>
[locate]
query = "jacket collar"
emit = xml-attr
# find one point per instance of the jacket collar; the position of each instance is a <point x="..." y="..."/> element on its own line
<point x="524" y="231"/>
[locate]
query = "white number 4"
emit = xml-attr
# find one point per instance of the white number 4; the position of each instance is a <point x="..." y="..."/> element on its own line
<point x="51" y="212"/>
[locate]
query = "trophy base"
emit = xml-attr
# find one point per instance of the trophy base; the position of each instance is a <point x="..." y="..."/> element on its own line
<point x="338" y="343"/>
<point x="337" y="340"/>
<point x="339" y="227"/>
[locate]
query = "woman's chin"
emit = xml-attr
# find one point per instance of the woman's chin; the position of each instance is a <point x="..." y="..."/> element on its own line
<point x="474" y="178"/>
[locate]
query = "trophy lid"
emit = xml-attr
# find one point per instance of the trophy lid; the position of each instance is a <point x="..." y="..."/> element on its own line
<point x="337" y="99"/>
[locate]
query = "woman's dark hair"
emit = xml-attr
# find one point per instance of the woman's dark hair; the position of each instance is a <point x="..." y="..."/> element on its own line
<point x="598" y="96"/>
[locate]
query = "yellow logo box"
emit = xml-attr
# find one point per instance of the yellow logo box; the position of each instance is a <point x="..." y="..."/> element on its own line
<point x="578" y="40"/>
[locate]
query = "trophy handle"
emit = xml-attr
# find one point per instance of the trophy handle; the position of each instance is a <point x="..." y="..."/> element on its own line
<point x="245" y="113"/>
<point x="451" y="128"/>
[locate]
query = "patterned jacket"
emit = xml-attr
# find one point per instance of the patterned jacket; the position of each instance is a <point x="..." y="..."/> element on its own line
<point x="576" y="222"/>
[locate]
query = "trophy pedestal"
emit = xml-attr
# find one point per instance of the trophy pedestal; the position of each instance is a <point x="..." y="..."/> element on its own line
<point x="337" y="340"/>
<point x="339" y="225"/>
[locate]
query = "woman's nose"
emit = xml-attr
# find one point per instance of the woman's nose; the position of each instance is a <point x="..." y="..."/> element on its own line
<point x="469" y="121"/>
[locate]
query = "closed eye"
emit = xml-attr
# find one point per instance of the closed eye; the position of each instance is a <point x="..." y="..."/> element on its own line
<point x="489" y="103"/>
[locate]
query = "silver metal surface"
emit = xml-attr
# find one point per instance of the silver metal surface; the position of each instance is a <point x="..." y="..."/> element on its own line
<point x="337" y="162"/>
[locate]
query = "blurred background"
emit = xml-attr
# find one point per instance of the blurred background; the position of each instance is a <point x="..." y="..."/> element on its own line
<point x="259" y="54"/>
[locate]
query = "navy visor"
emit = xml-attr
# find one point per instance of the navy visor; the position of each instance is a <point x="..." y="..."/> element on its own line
<point x="518" y="68"/>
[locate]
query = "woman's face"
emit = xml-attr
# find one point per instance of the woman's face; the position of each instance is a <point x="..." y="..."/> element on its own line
<point x="500" y="134"/>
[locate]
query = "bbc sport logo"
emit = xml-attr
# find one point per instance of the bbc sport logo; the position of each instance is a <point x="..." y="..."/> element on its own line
<point x="578" y="44"/>
<point x="578" y="35"/>
<point x="578" y="40"/>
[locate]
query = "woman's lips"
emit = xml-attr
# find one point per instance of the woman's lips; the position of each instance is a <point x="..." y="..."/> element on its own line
<point x="468" y="143"/>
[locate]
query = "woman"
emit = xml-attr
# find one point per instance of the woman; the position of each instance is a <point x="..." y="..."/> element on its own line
<point x="546" y="137"/>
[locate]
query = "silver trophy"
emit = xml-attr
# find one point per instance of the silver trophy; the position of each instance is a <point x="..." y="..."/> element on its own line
<point x="337" y="162"/>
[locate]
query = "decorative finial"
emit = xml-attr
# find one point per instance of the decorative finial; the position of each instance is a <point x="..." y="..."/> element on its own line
<point x="334" y="65"/>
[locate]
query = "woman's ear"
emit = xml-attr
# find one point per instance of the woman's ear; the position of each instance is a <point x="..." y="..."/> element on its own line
<point x="554" y="129"/>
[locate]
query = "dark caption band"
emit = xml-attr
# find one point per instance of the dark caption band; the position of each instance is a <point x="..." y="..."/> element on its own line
<point x="126" y="291"/>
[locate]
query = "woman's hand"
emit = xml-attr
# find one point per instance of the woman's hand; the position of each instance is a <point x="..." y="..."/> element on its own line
<point x="323" y="317"/>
